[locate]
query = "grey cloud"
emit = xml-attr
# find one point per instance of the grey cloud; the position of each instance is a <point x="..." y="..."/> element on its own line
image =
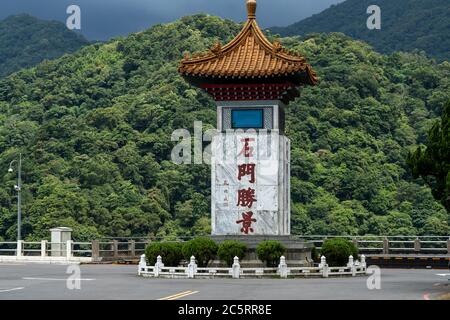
<point x="103" y="19"/>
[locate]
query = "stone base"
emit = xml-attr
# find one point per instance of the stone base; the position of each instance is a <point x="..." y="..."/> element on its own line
<point x="298" y="251"/>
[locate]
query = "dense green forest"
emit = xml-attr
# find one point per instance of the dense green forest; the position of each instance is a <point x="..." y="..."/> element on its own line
<point x="433" y="162"/>
<point x="25" y="41"/>
<point x="95" y="127"/>
<point x="406" y="25"/>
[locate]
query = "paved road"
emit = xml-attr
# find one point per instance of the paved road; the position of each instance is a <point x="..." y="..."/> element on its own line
<point x="34" y="281"/>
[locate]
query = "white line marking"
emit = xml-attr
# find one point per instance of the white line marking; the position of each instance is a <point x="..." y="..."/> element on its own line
<point x="13" y="289"/>
<point x="443" y="274"/>
<point x="54" y="279"/>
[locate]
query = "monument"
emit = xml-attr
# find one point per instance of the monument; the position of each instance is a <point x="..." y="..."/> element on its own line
<point x="252" y="80"/>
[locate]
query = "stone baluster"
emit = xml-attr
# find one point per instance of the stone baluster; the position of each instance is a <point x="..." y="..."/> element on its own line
<point x="158" y="266"/>
<point x="192" y="268"/>
<point x="69" y="245"/>
<point x="324" y="266"/>
<point x="142" y="264"/>
<point x="44" y="248"/>
<point x="363" y="261"/>
<point x="283" y="268"/>
<point x="236" y="269"/>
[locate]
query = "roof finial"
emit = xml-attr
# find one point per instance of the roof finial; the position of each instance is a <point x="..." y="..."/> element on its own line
<point x="251" y="9"/>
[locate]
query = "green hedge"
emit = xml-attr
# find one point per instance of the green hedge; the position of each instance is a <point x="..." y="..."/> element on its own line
<point x="171" y="253"/>
<point x="230" y="249"/>
<point x="337" y="251"/>
<point x="270" y="252"/>
<point x="202" y="248"/>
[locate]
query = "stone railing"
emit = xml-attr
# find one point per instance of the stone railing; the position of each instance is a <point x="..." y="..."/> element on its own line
<point x="353" y="268"/>
<point x="45" y="251"/>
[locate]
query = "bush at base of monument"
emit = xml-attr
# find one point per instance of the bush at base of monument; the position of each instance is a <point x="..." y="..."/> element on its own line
<point x="337" y="251"/>
<point x="171" y="253"/>
<point x="270" y="252"/>
<point x="230" y="249"/>
<point x="203" y="249"/>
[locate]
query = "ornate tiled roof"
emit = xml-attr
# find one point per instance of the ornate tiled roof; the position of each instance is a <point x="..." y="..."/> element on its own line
<point x="249" y="55"/>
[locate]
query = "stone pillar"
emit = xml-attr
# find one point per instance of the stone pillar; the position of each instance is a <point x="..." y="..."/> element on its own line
<point x="132" y="248"/>
<point x="158" y="265"/>
<point x="142" y="264"/>
<point x="236" y="269"/>
<point x="385" y="246"/>
<point x="417" y="246"/>
<point x="44" y="248"/>
<point x="363" y="261"/>
<point x="356" y="243"/>
<point x="19" y="248"/>
<point x="69" y="244"/>
<point x="448" y="246"/>
<point x="192" y="268"/>
<point x="323" y="261"/>
<point x="350" y="262"/>
<point x="283" y="268"/>
<point x="95" y="250"/>
<point x="59" y="238"/>
<point x="115" y="246"/>
<point x="324" y="266"/>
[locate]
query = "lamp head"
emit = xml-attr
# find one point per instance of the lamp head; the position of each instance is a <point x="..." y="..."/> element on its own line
<point x="10" y="170"/>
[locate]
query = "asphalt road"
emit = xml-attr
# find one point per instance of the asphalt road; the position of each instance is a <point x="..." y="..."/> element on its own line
<point x="100" y="282"/>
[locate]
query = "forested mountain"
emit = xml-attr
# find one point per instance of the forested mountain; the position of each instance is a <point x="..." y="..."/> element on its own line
<point x="406" y="25"/>
<point x="95" y="131"/>
<point x="25" y="41"/>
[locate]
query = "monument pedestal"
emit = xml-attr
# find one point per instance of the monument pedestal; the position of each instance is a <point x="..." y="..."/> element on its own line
<point x="298" y="252"/>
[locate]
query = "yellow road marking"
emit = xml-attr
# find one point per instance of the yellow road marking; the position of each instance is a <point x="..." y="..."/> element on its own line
<point x="179" y="295"/>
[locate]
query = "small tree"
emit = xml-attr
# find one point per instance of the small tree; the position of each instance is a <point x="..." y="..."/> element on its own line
<point x="337" y="251"/>
<point x="230" y="249"/>
<point x="270" y="252"/>
<point x="203" y="249"/>
<point x="171" y="253"/>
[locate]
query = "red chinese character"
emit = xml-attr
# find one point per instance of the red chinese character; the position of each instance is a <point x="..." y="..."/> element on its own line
<point x="247" y="170"/>
<point x="247" y="219"/>
<point x="247" y="150"/>
<point x="246" y="197"/>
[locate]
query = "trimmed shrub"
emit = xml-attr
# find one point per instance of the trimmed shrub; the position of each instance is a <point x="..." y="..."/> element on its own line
<point x="337" y="251"/>
<point x="230" y="249"/>
<point x="202" y="248"/>
<point x="270" y="252"/>
<point x="171" y="253"/>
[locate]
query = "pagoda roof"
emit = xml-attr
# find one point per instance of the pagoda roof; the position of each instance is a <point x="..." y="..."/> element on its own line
<point x="249" y="56"/>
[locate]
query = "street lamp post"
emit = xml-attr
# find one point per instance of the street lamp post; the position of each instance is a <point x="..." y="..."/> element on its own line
<point x="18" y="188"/>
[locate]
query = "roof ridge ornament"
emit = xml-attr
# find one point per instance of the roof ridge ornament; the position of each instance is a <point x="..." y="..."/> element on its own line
<point x="251" y="9"/>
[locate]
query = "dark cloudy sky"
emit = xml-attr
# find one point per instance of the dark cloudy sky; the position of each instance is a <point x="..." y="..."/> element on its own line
<point x="103" y="19"/>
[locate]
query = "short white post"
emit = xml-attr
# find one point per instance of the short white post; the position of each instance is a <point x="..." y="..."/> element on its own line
<point x="236" y="268"/>
<point x="363" y="261"/>
<point x="43" y="248"/>
<point x="158" y="265"/>
<point x="19" y="248"/>
<point x="323" y="261"/>
<point x="142" y="264"/>
<point x="192" y="268"/>
<point x="350" y="262"/>
<point x="283" y="268"/>
<point x="69" y="249"/>
<point x="324" y="266"/>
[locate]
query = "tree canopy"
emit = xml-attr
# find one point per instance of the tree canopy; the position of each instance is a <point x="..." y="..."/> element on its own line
<point x="433" y="162"/>
<point x="406" y="25"/>
<point x="25" y="41"/>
